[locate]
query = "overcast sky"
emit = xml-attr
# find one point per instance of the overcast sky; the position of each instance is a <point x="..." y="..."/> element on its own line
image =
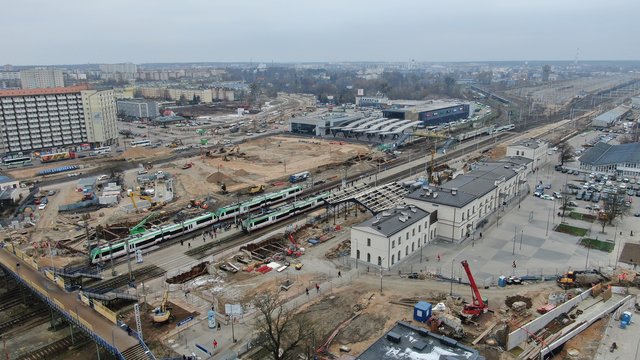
<point x="86" y="31"/>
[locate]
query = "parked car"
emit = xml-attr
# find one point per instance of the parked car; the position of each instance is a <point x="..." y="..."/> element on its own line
<point x="42" y="206"/>
<point x="103" y="177"/>
<point x="546" y="197"/>
<point x="572" y="203"/>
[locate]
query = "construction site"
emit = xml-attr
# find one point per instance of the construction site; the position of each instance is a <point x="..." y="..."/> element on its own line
<point x="201" y="284"/>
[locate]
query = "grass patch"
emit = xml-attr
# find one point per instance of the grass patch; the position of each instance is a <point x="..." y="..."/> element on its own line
<point x="571" y="230"/>
<point x="597" y="244"/>
<point x="580" y="216"/>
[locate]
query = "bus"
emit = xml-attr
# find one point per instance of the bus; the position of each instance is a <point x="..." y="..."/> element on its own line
<point x="102" y="150"/>
<point x="140" y="143"/>
<point x="17" y="161"/>
<point x="299" y="177"/>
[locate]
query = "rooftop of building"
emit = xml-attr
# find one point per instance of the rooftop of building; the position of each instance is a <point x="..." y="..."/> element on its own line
<point x="395" y="220"/>
<point x="168" y="118"/>
<point x="516" y="160"/>
<point x="606" y="154"/>
<point x="4" y="179"/>
<point x="462" y="190"/>
<point x="44" y="91"/>
<point x="420" y="105"/>
<point x="529" y="143"/>
<point x="408" y="342"/>
<point x="613" y="114"/>
<point x="136" y="100"/>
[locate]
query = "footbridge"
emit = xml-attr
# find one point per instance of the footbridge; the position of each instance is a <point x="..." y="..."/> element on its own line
<point x="93" y="318"/>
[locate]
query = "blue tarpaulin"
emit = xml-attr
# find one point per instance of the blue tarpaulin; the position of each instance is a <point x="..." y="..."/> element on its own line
<point x="58" y="170"/>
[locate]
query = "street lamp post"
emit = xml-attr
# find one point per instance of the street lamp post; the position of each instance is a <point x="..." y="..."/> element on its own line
<point x="381" y="260"/>
<point x="548" y="217"/>
<point x="451" y="289"/>
<point x="515" y="235"/>
<point x="618" y="245"/>
<point x="521" y="235"/>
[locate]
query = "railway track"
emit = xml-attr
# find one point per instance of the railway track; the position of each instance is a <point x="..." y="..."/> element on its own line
<point x="32" y="317"/>
<point x="10" y="303"/>
<point x="140" y="274"/>
<point x="55" y="348"/>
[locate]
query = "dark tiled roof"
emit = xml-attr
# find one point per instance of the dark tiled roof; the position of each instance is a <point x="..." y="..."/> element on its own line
<point x="413" y="343"/>
<point x="391" y="224"/>
<point x="606" y="154"/>
<point x="470" y="186"/>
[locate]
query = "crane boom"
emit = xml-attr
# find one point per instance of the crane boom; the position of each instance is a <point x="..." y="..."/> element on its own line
<point x="478" y="305"/>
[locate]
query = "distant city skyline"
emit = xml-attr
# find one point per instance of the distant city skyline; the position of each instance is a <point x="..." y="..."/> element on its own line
<point x="75" y="32"/>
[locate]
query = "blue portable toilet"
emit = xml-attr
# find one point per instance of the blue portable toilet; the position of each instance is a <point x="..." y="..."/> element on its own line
<point x="422" y="311"/>
<point x="625" y="319"/>
<point x="502" y="281"/>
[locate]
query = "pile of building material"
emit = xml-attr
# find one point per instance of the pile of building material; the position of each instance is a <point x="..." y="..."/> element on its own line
<point x="342" y="249"/>
<point x="194" y="272"/>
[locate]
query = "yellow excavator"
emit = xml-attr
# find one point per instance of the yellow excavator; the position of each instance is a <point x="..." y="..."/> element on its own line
<point x="162" y="313"/>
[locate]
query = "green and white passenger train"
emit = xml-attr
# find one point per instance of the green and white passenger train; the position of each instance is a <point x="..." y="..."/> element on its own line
<point x="160" y="234"/>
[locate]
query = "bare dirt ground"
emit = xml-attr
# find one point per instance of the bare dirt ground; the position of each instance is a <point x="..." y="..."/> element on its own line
<point x="264" y="161"/>
<point x="586" y="343"/>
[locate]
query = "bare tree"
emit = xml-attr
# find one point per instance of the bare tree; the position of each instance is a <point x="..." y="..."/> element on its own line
<point x="625" y="139"/>
<point x="614" y="207"/>
<point x="285" y="332"/>
<point x="566" y="198"/>
<point x="565" y="152"/>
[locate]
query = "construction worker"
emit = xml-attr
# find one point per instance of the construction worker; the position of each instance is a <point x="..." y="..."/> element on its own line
<point x="317" y="287"/>
<point x="307" y="290"/>
<point x="215" y="344"/>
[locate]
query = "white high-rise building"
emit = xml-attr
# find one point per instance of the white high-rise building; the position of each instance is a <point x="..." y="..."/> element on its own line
<point x="128" y="68"/>
<point x="41" y="78"/>
<point x="60" y="118"/>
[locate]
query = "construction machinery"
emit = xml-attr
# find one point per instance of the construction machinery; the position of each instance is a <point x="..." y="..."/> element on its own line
<point x="154" y="204"/>
<point x="452" y="322"/>
<point x="139" y="227"/>
<point x="256" y="189"/>
<point x="162" y="313"/>
<point x="580" y="278"/>
<point x="175" y="143"/>
<point x="478" y="305"/>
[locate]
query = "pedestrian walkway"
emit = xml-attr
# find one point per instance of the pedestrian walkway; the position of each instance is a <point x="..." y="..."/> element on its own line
<point x="68" y="303"/>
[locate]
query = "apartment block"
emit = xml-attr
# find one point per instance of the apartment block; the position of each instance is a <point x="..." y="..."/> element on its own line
<point x="41" y="78"/>
<point x="56" y="118"/>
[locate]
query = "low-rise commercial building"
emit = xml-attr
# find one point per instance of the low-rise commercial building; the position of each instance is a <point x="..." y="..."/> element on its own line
<point x="619" y="160"/>
<point x="319" y="125"/>
<point x="610" y="117"/>
<point x="388" y="238"/>
<point x="138" y="108"/>
<point x="430" y="113"/>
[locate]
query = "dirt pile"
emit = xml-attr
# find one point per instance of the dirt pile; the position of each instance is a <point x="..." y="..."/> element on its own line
<point x="512" y="299"/>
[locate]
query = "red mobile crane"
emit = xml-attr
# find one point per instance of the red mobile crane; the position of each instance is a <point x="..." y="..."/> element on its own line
<point x="477" y="306"/>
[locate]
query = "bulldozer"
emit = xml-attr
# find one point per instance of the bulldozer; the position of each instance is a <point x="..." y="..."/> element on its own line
<point x="256" y="189"/>
<point x="162" y="313"/>
<point x="175" y="143"/>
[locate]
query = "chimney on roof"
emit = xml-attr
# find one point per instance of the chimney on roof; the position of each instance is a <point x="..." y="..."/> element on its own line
<point x="454" y="191"/>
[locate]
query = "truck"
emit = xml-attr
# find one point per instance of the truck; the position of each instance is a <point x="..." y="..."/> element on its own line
<point x="302" y="176"/>
<point x="580" y="278"/>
